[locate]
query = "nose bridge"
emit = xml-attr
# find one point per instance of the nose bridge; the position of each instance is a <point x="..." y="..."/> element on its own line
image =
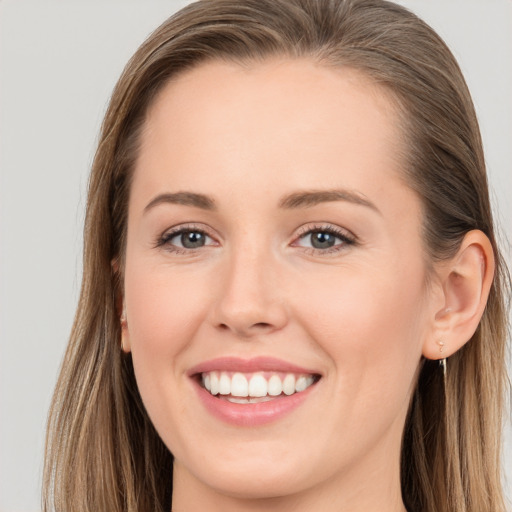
<point x="249" y="299"/>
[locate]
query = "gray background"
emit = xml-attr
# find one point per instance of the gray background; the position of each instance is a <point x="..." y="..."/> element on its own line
<point x="59" y="61"/>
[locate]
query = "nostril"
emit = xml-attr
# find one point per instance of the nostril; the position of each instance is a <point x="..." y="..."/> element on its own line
<point x="261" y="325"/>
<point x="246" y="330"/>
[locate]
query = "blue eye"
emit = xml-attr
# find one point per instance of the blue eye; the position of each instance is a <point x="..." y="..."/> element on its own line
<point x="185" y="238"/>
<point x="316" y="239"/>
<point x="190" y="239"/>
<point x="324" y="239"/>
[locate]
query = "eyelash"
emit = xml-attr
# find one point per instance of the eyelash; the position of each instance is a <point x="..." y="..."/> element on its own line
<point x="346" y="238"/>
<point x="164" y="239"/>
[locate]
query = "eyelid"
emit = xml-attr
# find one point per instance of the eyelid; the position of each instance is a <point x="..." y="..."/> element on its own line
<point x="173" y="231"/>
<point x="325" y="226"/>
<point x="347" y="237"/>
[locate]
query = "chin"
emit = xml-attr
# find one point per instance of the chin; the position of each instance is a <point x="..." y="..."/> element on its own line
<point x="252" y="478"/>
<point x="248" y="483"/>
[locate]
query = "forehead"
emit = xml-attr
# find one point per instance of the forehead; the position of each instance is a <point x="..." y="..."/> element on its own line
<point x="280" y="122"/>
<point x="301" y="88"/>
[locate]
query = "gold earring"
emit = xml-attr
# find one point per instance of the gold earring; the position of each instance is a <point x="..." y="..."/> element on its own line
<point x="442" y="362"/>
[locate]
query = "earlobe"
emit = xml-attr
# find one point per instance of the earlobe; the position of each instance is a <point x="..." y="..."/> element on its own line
<point x="465" y="282"/>
<point x="125" y="339"/>
<point x="121" y="310"/>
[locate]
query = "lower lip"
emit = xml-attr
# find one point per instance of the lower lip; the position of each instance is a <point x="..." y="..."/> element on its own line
<point x="250" y="415"/>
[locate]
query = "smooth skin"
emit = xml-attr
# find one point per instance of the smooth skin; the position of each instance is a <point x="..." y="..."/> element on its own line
<point x="359" y="309"/>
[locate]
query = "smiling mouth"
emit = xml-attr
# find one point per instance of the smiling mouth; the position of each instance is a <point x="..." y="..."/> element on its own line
<point x="255" y="387"/>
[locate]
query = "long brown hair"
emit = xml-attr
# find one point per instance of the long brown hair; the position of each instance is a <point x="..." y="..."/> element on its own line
<point x="102" y="452"/>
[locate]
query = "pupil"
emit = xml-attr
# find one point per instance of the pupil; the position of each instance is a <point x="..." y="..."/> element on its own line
<point x="192" y="240"/>
<point x="321" y="240"/>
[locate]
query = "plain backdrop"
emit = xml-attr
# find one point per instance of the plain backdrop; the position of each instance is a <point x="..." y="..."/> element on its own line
<point x="59" y="61"/>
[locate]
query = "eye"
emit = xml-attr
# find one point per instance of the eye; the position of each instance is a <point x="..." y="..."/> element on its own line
<point x="321" y="239"/>
<point x="325" y="239"/>
<point x="189" y="239"/>
<point x="185" y="238"/>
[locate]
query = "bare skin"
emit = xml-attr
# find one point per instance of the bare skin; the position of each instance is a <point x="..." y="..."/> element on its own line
<point x="355" y="308"/>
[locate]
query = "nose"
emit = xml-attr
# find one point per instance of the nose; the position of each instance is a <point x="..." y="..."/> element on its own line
<point x="250" y="301"/>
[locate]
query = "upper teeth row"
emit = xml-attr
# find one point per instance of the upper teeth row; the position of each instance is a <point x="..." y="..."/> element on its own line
<point x="220" y="383"/>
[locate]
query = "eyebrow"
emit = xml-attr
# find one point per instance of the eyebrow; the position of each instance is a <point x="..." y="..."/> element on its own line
<point x="184" y="198"/>
<point x="309" y="198"/>
<point x="297" y="200"/>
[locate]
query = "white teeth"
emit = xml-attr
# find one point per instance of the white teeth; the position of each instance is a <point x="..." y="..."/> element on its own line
<point x="301" y="384"/>
<point x="289" y="384"/>
<point x="214" y="383"/>
<point x="238" y="400"/>
<point x="258" y="386"/>
<point x="239" y="385"/>
<point x="249" y="400"/>
<point x="240" y="388"/>
<point x="206" y="382"/>
<point x="224" y="384"/>
<point x="275" y="387"/>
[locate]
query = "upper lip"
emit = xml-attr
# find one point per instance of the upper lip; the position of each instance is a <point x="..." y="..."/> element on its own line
<point x="236" y="364"/>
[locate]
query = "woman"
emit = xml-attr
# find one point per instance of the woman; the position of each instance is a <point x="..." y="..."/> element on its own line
<point x="291" y="280"/>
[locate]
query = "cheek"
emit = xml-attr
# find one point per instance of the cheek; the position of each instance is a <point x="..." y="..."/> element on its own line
<point x="370" y="326"/>
<point x="371" y="323"/>
<point x="165" y="308"/>
<point x="162" y="305"/>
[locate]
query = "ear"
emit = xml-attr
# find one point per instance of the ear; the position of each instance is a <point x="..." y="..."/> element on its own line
<point x="121" y="311"/>
<point x="465" y="281"/>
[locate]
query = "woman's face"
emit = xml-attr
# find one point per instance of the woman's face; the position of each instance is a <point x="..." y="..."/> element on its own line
<point x="274" y="250"/>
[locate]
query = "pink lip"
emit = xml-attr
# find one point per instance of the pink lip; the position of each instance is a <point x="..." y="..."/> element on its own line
<point x="235" y="364"/>
<point x="249" y="415"/>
